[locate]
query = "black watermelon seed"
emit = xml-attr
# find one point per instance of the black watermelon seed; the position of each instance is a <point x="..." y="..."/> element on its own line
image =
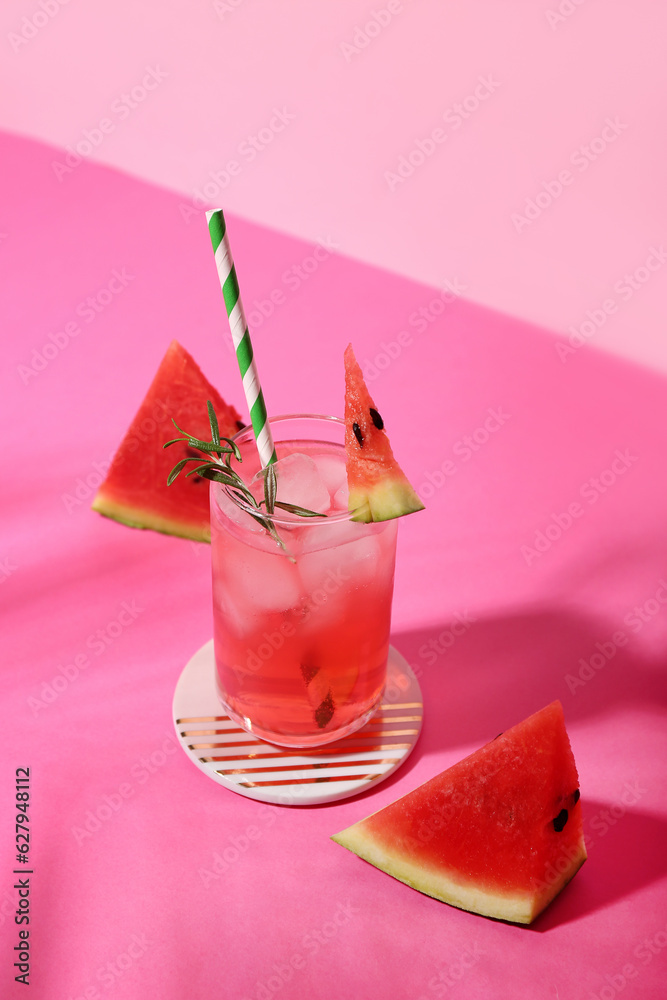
<point x="560" y="820"/>
<point x="576" y="795"/>
<point x="357" y="433"/>
<point x="376" y="418"/>
<point x="324" y="711"/>
<point x="240" y="425"/>
<point x="496" y="737"/>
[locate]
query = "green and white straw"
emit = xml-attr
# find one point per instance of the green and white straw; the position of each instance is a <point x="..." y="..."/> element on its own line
<point x="240" y="336"/>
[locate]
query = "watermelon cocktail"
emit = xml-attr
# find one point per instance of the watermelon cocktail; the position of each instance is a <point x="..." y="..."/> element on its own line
<point x="302" y="605"/>
<point x="301" y="629"/>
<point x="301" y="602"/>
<point x="303" y="535"/>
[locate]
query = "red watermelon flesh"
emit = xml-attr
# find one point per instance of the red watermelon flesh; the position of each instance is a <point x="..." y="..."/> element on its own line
<point x="135" y="490"/>
<point x="499" y="833"/>
<point x="379" y="489"/>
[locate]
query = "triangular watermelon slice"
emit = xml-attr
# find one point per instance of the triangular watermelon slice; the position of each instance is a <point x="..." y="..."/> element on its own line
<point x="499" y="833"/>
<point x="135" y="490"/>
<point x="379" y="489"/>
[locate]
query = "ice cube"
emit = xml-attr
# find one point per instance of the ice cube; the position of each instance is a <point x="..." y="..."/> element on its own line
<point x="328" y="534"/>
<point x="299" y="483"/>
<point x="342" y="567"/>
<point x="229" y="616"/>
<point x="332" y="577"/>
<point x="341" y="497"/>
<point x="360" y="559"/>
<point x="264" y="581"/>
<point x="332" y="470"/>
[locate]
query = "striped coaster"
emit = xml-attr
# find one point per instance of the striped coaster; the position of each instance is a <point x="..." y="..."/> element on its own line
<point x="284" y="776"/>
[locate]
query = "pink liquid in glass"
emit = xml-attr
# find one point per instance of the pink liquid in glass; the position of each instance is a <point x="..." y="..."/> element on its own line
<point x="301" y="637"/>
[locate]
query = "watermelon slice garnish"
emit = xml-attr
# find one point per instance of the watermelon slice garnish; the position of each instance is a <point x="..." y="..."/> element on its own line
<point x="500" y="833"/>
<point x="135" y="491"/>
<point x="379" y="489"/>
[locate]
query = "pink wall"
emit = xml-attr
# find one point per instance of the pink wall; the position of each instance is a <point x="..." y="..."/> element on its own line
<point x="340" y="95"/>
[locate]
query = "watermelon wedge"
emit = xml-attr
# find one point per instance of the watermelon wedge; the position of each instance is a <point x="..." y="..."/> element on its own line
<point x="499" y="833"/>
<point x="135" y="491"/>
<point x="329" y="685"/>
<point x="379" y="489"/>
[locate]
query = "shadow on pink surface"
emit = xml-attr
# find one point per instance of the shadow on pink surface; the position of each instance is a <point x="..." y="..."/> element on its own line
<point x="503" y="669"/>
<point x="626" y="853"/>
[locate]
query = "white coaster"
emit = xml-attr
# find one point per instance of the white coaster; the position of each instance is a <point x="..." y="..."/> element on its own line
<point x="295" y="777"/>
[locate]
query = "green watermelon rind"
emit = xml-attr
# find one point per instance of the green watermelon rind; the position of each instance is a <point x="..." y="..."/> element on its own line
<point x="145" y="519"/>
<point x="518" y="908"/>
<point x="504" y="889"/>
<point x="393" y="497"/>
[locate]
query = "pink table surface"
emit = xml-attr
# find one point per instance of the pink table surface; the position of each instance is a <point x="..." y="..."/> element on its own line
<point x="147" y="878"/>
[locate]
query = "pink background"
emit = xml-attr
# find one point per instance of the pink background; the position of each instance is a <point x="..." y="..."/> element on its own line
<point x="225" y="65"/>
<point x="544" y="589"/>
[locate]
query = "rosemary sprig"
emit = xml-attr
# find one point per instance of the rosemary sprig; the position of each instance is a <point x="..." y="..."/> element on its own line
<point x="270" y="489"/>
<point x="219" y="452"/>
<point x="292" y="508"/>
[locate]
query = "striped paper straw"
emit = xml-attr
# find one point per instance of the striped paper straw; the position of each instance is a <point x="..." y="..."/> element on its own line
<point x="240" y="336"/>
